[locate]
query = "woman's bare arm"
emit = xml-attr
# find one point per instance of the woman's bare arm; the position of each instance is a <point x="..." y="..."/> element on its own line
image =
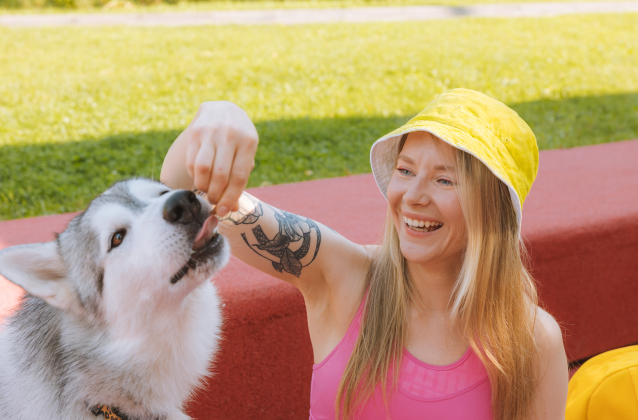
<point x="290" y="247"/>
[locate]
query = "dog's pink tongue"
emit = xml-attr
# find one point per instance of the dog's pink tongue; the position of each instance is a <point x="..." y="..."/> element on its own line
<point x="206" y="233"/>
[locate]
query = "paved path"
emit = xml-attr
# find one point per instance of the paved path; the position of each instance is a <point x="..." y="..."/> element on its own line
<point x="301" y="16"/>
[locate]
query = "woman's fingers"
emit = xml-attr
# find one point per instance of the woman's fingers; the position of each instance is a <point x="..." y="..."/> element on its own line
<point x="240" y="171"/>
<point x="191" y="154"/>
<point x="220" y="151"/>
<point x="220" y="173"/>
<point x="204" y="165"/>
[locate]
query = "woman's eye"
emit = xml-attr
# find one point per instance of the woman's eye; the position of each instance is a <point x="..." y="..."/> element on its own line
<point x="404" y="171"/>
<point x="117" y="238"/>
<point x="445" y="182"/>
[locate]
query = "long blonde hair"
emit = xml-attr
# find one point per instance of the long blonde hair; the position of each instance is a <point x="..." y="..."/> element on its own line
<point x="493" y="303"/>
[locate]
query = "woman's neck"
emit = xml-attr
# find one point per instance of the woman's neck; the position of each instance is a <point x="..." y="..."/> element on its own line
<point x="434" y="283"/>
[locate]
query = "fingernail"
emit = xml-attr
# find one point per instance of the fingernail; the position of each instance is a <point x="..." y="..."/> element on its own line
<point x="222" y="211"/>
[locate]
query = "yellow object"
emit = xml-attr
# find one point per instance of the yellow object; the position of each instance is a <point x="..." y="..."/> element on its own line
<point x="474" y="123"/>
<point x="605" y="387"/>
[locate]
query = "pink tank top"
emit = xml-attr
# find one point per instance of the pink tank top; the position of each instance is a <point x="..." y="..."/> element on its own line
<point x="457" y="391"/>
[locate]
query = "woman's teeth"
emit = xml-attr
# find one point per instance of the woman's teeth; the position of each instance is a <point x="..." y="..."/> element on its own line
<point x="421" y="226"/>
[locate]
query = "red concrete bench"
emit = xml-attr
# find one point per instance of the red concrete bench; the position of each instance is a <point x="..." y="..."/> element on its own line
<point x="580" y="222"/>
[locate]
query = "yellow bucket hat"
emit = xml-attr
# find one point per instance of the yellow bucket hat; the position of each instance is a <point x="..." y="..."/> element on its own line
<point x="478" y="125"/>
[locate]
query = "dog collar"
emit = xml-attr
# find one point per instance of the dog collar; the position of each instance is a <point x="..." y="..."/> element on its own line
<point x="110" y="413"/>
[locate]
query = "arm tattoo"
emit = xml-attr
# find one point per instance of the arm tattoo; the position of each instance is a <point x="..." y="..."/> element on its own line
<point x="242" y="216"/>
<point x="245" y="217"/>
<point x="295" y="245"/>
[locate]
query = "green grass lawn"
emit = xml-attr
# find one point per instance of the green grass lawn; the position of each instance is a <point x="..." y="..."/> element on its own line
<point x="134" y="6"/>
<point x="83" y="107"/>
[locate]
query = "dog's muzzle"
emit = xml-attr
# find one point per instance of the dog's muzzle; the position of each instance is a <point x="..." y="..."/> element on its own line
<point x="183" y="207"/>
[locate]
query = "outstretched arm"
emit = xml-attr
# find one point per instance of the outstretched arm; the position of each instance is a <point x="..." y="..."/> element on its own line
<point x="286" y="242"/>
<point x="293" y="248"/>
<point x="215" y="155"/>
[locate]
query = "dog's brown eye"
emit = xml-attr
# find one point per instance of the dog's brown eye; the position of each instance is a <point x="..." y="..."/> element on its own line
<point x="163" y="192"/>
<point x="117" y="239"/>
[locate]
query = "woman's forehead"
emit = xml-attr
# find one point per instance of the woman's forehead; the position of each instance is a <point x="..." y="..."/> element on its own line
<point x="422" y="147"/>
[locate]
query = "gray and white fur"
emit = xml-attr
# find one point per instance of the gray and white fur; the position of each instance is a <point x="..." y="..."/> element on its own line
<point x="133" y="326"/>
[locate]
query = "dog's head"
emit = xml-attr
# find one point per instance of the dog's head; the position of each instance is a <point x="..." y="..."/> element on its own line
<point x="139" y="248"/>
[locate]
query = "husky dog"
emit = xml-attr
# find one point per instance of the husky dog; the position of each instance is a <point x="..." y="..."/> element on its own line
<point x="120" y="316"/>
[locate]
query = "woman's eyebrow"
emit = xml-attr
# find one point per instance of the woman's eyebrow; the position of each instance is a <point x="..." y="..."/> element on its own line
<point x="405" y="159"/>
<point x="450" y="168"/>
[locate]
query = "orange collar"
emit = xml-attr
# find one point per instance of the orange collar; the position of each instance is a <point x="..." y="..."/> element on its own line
<point x="109" y="413"/>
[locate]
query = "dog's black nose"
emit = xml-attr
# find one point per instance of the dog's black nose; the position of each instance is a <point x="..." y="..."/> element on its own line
<point x="181" y="207"/>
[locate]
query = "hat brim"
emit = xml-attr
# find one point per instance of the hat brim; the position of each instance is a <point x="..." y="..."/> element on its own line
<point x="383" y="155"/>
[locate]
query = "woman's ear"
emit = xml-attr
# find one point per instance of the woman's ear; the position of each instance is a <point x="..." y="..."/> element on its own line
<point x="40" y="271"/>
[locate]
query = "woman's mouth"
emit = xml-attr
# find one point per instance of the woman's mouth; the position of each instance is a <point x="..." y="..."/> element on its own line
<point x="420" y="225"/>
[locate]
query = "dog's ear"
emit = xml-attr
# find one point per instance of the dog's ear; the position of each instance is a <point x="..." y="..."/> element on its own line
<point x="39" y="270"/>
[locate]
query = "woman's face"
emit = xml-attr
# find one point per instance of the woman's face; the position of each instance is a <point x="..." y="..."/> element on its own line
<point x="425" y="206"/>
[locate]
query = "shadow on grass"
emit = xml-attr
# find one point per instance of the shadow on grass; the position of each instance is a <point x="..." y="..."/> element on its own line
<point x="42" y="179"/>
<point x="39" y="179"/>
<point x="581" y="121"/>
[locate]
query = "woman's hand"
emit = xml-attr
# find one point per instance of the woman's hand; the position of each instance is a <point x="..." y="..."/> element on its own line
<point x="215" y="154"/>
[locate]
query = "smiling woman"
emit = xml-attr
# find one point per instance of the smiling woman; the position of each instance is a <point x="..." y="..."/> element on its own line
<point x="459" y="288"/>
<point x="441" y="320"/>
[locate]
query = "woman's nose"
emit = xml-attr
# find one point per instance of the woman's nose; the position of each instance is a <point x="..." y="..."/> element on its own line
<point x="417" y="195"/>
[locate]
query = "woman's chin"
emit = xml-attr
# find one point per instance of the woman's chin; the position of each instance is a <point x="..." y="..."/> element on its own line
<point x="418" y="254"/>
<point x="423" y="252"/>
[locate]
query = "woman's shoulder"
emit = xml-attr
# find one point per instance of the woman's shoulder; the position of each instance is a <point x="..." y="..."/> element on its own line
<point x="551" y="351"/>
<point x="345" y="265"/>
<point x="553" y="367"/>
<point x="347" y="258"/>
<point x="547" y="332"/>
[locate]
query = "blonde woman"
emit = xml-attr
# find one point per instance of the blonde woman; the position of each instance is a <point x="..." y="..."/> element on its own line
<point x="441" y="320"/>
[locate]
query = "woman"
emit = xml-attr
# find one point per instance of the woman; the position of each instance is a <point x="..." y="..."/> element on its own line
<point x="441" y="320"/>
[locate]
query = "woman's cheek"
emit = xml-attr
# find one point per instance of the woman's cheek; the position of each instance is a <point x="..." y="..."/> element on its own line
<point x="456" y="220"/>
<point x="395" y="198"/>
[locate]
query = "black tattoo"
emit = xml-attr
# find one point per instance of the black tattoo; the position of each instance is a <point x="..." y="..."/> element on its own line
<point x="241" y="218"/>
<point x="292" y="230"/>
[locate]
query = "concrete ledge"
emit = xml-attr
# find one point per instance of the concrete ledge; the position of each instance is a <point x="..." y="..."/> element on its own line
<point x="580" y="222"/>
